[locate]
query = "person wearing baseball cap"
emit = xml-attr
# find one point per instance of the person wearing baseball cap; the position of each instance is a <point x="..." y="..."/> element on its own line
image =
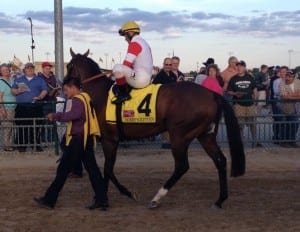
<point x="48" y="133"/>
<point x="242" y="63"/>
<point x="289" y="91"/>
<point x="243" y="89"/>
<point x="53" y="84"/>
<point x="29" y="89"/>
<point x="46" y="64"/>
<point x="29" y="65"/>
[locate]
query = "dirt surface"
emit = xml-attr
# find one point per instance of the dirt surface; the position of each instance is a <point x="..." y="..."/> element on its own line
<point x="267" y="198"/>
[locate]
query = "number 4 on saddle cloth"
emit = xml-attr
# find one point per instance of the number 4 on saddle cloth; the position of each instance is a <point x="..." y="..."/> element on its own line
<point x="141" y="108"/>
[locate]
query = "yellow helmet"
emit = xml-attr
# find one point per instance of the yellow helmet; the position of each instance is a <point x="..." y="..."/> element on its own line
<point x="129" y="26"/>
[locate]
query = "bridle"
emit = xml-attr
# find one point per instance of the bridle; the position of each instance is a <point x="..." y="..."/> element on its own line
<point x="90" y="79"/>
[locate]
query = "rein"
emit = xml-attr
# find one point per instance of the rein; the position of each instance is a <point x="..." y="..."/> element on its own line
<point x="96" y="77"/>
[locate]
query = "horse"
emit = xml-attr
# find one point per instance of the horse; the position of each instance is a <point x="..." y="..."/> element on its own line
<point x="185" y="110"/>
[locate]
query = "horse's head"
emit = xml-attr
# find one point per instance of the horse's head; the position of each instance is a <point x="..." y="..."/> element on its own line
<point x="81" y="66"/>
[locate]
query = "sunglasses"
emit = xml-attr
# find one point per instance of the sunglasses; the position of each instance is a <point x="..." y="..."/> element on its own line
<point x="168" y="64"/>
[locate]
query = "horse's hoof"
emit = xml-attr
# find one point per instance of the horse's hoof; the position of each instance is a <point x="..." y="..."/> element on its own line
<point x="134" y="196"/>
<point x="154" y="205"/>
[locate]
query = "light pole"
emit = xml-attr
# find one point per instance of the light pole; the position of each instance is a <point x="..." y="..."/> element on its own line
<point x="59" y="45"/>
<point x="290" y="51"/>
<point x="32" y="40"/>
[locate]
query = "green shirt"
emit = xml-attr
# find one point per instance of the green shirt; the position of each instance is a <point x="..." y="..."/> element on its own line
<point x="243" y="85"/>
<point x="5" y="88"/>
<point x="260" y="78"/>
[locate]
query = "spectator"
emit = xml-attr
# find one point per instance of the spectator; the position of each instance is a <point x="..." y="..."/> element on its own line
<point x="290" y="90"/>
<point x="228" y="73"/>
<point x="250" y="73"/>
<point x="54" y="88"/>
<point x="209" y="62"/>
<point x="165" y="76"/>
<point x="201" y="76"/>
<point x="175" y="68"/>
<point x="278" y="128"/>
<point x="7" y="111"/>
<point x="29" y="89"/>
<point x="211" y="81"/>
<point x="261" y="84"/>
<point x="243" y="89"/>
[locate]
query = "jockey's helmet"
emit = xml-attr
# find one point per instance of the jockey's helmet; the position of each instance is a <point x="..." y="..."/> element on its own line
<point x="130" y="26"/>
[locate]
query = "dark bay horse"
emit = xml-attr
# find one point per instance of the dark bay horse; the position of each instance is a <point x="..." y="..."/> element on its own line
<point x="186" y="110"/>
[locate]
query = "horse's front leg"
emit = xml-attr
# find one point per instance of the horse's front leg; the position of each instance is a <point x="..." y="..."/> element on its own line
<point x="110" y="154"/>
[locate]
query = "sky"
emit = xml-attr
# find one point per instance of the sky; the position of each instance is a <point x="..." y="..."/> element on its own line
<point x="258" y="32"/>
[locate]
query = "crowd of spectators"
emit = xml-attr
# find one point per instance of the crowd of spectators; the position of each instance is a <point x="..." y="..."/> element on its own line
<point x="24" y="95"/>
<point x="249" y="93"/>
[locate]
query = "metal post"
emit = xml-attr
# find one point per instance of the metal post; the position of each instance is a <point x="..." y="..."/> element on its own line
<point x="34" y="134"/>
<point x="59" y="48"/>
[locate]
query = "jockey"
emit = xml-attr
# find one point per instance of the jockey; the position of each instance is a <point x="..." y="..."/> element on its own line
<point x="137" y="67"/>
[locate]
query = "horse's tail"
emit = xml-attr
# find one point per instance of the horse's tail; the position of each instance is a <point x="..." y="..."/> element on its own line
<point x="238" y="163"/>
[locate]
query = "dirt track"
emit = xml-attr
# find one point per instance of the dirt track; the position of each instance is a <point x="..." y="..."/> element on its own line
<point x="267" y="198"/>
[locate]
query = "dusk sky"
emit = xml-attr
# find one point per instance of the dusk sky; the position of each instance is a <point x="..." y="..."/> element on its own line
<point x="253" y="30"/>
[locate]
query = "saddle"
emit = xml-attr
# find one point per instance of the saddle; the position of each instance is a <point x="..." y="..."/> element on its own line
<point x="141" y="108"/>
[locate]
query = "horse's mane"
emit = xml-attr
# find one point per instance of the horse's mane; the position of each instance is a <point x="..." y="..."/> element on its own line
<point x="94" y="68"/>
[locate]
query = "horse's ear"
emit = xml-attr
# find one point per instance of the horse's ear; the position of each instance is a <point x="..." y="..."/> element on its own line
<point x="72" y="53"/>
<point x="87" y="53"/>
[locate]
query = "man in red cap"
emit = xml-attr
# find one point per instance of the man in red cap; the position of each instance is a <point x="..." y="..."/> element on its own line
<point x="50" y="79"/>
<point x="53" y="91"/>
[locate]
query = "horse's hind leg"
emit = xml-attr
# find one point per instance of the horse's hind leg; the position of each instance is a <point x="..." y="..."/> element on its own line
<point x="210" y="146"/>
<point x="110" y="153"/>
<point x="179" y="151"/>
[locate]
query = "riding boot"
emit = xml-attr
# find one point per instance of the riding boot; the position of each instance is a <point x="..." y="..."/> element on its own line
<point x="122" y="93"/>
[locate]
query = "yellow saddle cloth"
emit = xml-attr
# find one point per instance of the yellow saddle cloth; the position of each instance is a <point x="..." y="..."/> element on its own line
<point x="141" y="108"/>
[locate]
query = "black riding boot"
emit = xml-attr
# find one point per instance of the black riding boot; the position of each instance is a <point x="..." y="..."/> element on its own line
<point x="122" y="93"/>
